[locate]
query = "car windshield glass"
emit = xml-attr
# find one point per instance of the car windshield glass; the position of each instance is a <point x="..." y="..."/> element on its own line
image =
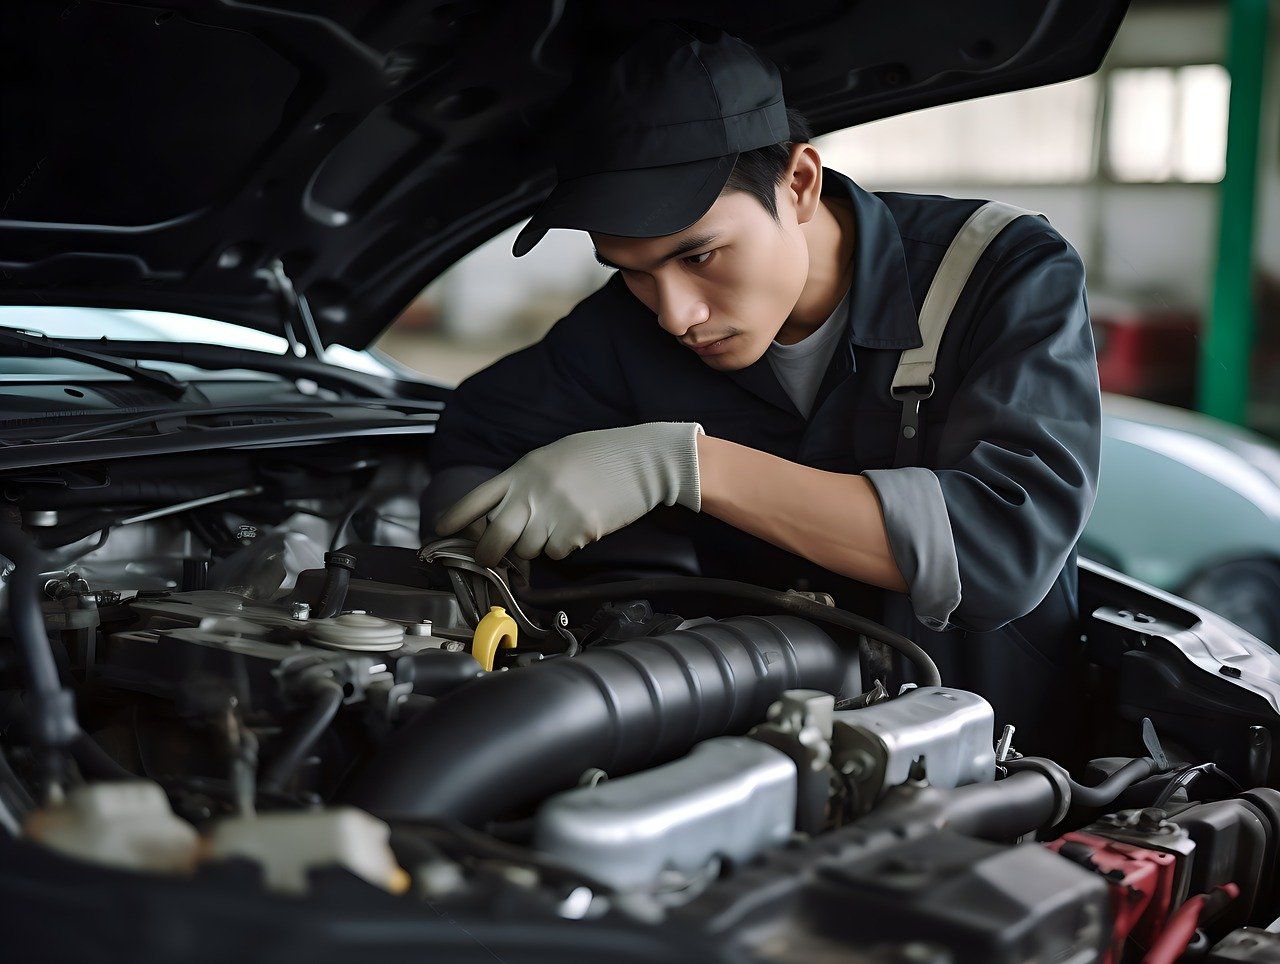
<point x="155" y="326"/>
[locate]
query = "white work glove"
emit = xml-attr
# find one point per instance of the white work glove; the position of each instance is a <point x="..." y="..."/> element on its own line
<point x="574" y="491"/>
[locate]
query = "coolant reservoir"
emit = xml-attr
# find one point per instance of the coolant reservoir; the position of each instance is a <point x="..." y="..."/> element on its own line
<point x="288" y="845"/>
<point x="125" y="823"/>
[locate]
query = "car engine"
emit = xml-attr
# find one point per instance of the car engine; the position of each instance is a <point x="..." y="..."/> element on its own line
<point x="302" y="715"/>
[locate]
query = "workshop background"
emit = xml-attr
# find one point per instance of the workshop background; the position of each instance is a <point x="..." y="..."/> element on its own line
<point x="1163" y="169"/>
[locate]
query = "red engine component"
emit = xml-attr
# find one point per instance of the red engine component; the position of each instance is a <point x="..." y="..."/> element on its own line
<point x="1142" y="885"/>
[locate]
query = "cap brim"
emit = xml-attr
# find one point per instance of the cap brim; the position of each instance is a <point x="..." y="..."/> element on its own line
<point x="647" y="202"/>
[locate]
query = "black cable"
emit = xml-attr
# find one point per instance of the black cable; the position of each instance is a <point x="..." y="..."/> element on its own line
<point x="790" y="603"/>
<point x="303" y="738"/>
<point x="465" y="600"/>
<point x="51" y="724"/>
<point x="1185" y="777"/>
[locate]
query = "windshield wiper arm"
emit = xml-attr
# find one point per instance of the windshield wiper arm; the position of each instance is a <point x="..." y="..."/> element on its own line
<point x="22" y="344"/>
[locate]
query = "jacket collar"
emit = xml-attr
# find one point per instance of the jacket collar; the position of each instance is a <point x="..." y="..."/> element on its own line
<point x="882" y="313"/>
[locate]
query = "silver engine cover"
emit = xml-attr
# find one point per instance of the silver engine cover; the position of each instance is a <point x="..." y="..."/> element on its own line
<point x="730" y="798"/>
<point x="953" y="731"/>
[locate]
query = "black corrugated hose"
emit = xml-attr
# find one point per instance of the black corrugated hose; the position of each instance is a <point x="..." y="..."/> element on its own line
<point x="772" y="599"/>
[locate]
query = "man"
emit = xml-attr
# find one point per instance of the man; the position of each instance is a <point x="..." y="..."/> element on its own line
<point x="741" y="364"/>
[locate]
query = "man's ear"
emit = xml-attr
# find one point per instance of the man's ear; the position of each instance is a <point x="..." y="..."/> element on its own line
<point x="803" y="181"/>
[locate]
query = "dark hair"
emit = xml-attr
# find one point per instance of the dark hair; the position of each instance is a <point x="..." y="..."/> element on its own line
<point x="758" y="172"/>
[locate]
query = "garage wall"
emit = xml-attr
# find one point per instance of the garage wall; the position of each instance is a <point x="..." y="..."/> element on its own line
<point x="1153" y="241"/>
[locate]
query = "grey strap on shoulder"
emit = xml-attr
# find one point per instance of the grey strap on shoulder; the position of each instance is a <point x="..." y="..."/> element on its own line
<point x="913" y="381"/>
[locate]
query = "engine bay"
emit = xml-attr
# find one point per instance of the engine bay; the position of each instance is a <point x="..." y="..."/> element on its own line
<point x="227" y="704"/>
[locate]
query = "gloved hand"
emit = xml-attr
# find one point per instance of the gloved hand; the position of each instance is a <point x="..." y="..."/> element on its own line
<point x="574" y="491"/>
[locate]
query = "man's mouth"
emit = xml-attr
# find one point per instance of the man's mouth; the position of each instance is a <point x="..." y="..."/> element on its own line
<point x="712" y="347"/>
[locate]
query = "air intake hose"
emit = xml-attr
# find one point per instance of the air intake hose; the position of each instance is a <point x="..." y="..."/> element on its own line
<point x="510" y="739"/>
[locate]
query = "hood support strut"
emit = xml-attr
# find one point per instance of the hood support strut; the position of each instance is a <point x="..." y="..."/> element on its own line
<point x="294" y="310"/>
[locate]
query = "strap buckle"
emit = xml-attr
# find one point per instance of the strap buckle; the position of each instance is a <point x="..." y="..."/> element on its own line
<point x="911" y="397"/>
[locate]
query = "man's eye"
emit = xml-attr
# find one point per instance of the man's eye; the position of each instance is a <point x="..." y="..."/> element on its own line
<point x="699" y="258"/>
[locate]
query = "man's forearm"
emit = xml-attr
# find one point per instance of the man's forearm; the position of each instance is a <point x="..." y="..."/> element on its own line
<point x="829" y="518"/>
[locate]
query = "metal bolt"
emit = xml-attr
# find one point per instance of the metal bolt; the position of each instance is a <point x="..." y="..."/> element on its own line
<point x="300" y="611"/>
<point x="421" y="628"/>
<point x="453" y="646"/>
<point x="1005" y="744"/>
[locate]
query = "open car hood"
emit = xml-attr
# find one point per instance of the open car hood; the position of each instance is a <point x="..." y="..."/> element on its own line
<point x="166" y="155"/>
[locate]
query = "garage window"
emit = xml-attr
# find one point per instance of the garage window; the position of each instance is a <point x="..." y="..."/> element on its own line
<point x="1167" y="124"/>
<point x="1039" y="136"/>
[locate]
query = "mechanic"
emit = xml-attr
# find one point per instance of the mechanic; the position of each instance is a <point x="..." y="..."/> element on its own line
<point x="765" y="357"/>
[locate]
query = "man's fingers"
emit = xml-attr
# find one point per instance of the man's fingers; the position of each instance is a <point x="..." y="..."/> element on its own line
<point x="563" y="542"/>
<point x="504" y="528"/>
<point x="473" y="505"/>
<point x="532" y="541"/>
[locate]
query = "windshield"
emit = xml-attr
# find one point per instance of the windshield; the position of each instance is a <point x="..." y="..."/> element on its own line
<point x="154" y="326"/>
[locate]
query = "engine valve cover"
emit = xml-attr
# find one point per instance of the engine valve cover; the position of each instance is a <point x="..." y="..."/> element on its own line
<point x="952" y="730"/>
<point x="731" y="798"/>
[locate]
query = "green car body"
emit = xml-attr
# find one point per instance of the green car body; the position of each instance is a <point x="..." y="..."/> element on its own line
<point x="1190" y="505"/>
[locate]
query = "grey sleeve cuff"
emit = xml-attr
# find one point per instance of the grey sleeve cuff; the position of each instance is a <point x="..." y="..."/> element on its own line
<point x="919" y="529"/>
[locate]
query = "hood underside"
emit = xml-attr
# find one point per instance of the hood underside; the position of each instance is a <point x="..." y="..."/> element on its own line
<point x="165" y="156"/>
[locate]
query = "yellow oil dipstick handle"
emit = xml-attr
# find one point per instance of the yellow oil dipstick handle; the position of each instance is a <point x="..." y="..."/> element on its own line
<point x="494" y="630"/>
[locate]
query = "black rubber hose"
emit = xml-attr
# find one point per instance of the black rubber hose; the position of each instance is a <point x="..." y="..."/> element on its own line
<point x="436" y="672"/>
<point x="791" y="603"/>
<point x="52" y="724"/>
<point x="508" y="740"/>
<point x="338" y="567"/>
<point x="1135" y="771"/>
<point x="1008" y="808"/>
<point x="1105" y="792"/>
<point x="302" y="739"/>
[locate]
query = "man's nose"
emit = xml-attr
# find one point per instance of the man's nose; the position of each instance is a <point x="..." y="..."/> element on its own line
<point x="680" y="308"/>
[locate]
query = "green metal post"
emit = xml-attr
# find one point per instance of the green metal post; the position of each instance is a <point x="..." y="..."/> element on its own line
<point x="1224" y="354"/>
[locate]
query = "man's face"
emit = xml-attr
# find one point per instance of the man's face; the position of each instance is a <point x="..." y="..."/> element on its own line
<point x="724" y="285"/>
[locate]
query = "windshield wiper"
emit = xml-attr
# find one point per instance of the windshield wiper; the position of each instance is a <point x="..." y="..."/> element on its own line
<point x="263" y="409"/>
<point x="30" y="345"/>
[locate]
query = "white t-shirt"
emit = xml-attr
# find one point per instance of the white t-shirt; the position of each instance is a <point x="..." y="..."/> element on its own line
<point x="800" y="367"/>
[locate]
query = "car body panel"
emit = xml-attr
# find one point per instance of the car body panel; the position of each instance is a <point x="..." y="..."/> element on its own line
<point x="1180" y="493"/>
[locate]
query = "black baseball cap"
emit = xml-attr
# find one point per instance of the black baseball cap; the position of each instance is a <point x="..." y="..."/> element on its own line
<point x="645" y="145"/>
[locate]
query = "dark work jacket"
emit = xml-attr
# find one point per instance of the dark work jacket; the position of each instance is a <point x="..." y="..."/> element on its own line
<point x="1012" y="433"/>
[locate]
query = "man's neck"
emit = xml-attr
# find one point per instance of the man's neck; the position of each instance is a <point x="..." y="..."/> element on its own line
<point x="830" y="236"/>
